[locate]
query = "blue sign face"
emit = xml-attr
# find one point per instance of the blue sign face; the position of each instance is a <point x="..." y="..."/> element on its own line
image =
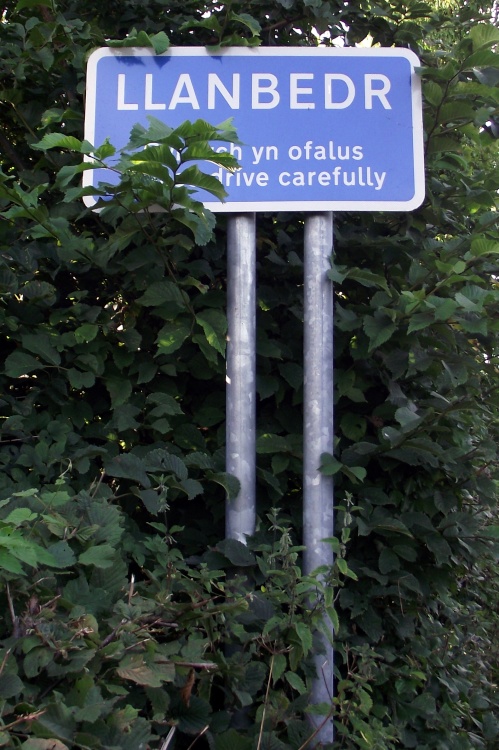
<point x="320" y="128"/>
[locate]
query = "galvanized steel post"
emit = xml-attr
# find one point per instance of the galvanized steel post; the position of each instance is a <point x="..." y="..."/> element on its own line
<point x="241" y="373"/>
<point x="318" y="438"/>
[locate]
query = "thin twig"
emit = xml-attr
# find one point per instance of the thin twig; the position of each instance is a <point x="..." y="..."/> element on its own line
<point x="21" y="719"/>
<point x="199" y="735"/>
<point x="316" y="731"/>
<point x="260" y="734"/>
<point x="4" y="660"/>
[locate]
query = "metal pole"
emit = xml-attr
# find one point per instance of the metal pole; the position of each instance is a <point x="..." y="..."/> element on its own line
<point x="318" y="500"/>
<point x="240" y="513"/>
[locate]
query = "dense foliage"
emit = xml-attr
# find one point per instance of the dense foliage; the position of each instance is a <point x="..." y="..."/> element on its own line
<point x="126" y="621"/>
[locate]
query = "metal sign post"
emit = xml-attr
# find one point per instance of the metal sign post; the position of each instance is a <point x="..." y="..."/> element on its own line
<point x="240" y="513"/>
<point x="318" y="434"/>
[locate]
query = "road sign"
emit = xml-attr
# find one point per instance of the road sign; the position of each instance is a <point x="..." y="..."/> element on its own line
<point x="321" y="128"/>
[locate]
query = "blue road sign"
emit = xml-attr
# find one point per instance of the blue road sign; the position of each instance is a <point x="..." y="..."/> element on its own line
<point x="321" y="128"/>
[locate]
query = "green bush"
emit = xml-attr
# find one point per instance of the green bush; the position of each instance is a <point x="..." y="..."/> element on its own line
<point x="126" y="620"/>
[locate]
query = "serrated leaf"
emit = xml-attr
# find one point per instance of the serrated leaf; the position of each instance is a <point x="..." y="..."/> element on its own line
<point x="80" y="380"/>
<point x="135" y="668"/>
<point x="10" y="686"/>
<point x="484" y="34"/>
<point x="236" y="552"/>
<point x="296" y="682"/>
<point x="407" y="418"/>
<point x="172" y="335"/>
<point x="102" y="556"/>
<point x="195" y="178"/>
<point x="59" y="140"/>
<point x="230" y="483"/>
<point x="248" y="21"/>
<point x="19" y="363"/>
<point x="160" y="460"/>
<point x="367" y="278"/>
<point x="269" y="443"/>
<point x="379" y="328"/>
<point x="10" y="563"/>
<point x="20" y="515"/>
<point x="232" y="740"/>
<point x="40" y="344"/>
<point x="163" y="291"/>
<point x="388" y="561"/>
<point x="39" y="744"/>
<point x="329" y="464"/>
<point x="62" y="553"/>
<point x="129" y="466"/>
<point x="305" y="635"/>
<point x="160" y="42"/>
<point x="214" y="325"/>
<point x="86" y="332"/>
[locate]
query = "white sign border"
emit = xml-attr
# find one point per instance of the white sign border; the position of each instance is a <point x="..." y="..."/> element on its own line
<point x="290" y="205"/>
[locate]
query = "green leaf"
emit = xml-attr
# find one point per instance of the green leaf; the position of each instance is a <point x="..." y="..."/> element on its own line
<point x="407" y="418"/>
<point x="214" y="325"/>
<point x="330" y="465"/>
<point x="10" y="563"/>
<point x="172" y="336"/>
<point x="305" y="635"/>
<point x="194" y="177"/>
<point x="236" y="552"/>
<point x="19" y="363"/>
<point x="163" y="291"/>
<point x="128" y="466"/>
<point x="80" y="380"/>
<point x="388" y="561"/>
<point x="296" y="682"/>
<point x="59" y="140"/>
<point x="20" y="515"/>
<point x="10" y="686"/>
<point x="102" y="556"/>
<point x="160" y="42"/>
<point x="232" y="740"/>
<point x="32" y="4"/>
<point x="134" y="668"/>
<point x="379" y="328"/>
<point x="39" y="744"/>
<point x="41" y="345"/>
<point x="484" y="34"/>
<point x="86" y="333"/>
<point x="367" y="278"/>
<point x="248" y="21"/>
<point x="229" y="482"/>
<point x="62" y="553"/>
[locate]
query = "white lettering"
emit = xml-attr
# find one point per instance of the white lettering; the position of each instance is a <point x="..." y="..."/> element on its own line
<point x="121" y="94"/>
<point x="271" y="90"/>
<point x="184" y="81"/>
<point x="328" y="91"/>
<point x="295" y="91"/>
<point x="148" y="102"/>
<point x="371" y="92"/>
<point x="257" y="153"/>
<point x="215" y="84"/>
<point x="361" y="177"/>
